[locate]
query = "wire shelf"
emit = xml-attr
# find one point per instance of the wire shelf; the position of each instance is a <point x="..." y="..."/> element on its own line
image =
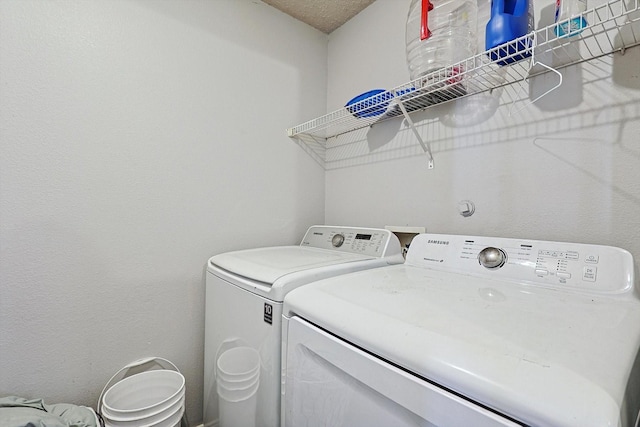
<point x="612" y="27"/>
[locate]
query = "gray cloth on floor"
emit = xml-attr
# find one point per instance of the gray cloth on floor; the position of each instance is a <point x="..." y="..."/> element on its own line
<point x="20" y="412"/>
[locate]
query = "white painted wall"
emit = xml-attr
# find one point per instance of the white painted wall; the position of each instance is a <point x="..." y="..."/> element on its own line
<point x="566" y="168"/>
<point x="137" y="139"/>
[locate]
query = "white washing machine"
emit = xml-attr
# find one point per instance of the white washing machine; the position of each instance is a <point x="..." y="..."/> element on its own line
<point x="245" y="290"/>
<point x="469" y="331"/>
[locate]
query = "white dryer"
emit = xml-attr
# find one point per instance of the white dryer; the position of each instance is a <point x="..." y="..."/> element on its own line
<point x="244" y="294"/>
<point x="469" y="331"/>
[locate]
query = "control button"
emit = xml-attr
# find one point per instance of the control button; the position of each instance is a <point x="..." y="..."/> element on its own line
<point x="337" y="240"/>
<point x="541" y="272"/>
<point x="492" y="257"/>
<point x="592" y="259"/>
<point x="563" y="275"/>
<point x="572" y="255"/>
<point x="589" y="274"/>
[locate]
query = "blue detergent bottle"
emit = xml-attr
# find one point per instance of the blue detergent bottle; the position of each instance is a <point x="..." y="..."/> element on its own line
<point x="510" y="19"/>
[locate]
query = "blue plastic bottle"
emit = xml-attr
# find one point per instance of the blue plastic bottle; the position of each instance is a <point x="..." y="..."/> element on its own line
<point x="510" y="19"/>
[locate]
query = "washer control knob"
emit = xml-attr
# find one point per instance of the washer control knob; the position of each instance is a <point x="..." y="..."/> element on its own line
<point x="492" y="257"/>
<point x="337" y="240"/>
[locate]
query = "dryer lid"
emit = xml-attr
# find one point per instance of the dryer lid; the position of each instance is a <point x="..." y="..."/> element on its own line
<point x="267" y="265"/>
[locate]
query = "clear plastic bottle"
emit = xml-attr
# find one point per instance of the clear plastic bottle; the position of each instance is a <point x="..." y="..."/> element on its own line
<point x="480" y="107"/>
<point x="569" y="15"/>
<point x="450" y="35"/>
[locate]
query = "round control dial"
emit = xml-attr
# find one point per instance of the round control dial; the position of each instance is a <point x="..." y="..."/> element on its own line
<point x="492" y="257"/>
<point x="337" y="240"/>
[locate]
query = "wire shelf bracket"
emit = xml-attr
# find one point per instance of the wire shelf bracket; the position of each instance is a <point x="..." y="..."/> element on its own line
<point x="425" y="145"/>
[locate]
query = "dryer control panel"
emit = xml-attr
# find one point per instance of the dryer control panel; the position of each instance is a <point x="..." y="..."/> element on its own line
<point x="593" y="268"/>
<point x="373" y="242"/>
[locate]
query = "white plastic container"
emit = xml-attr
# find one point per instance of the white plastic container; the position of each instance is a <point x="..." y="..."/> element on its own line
<point x="449" y="37"/>
<point x="238" y="380"/>
<point x="570" y="17"/>
<point x="238" y="413"/>
<point x="139" y="396"/>
<point x="169" y="419"/>
<point x="151" y="420"/>
<point x="480" y="107"/>
<point x="238" y="394"/>
<point x="143" y="395"/>
<point x="172" y="419"/>
<point x="238" y="364"/>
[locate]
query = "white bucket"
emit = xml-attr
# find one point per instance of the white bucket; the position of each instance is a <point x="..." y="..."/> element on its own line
<point x="149" y="394"/>
<point x="169" y="419"/>
<point x="238" y="364"/>
<point x="238" y="380"/>
<point x="151" y="420"/>
<point x="238" y="394"/>
<point x="239" y="384"/>
<point x="239" y="412"/>
<point x="172" y="419"/>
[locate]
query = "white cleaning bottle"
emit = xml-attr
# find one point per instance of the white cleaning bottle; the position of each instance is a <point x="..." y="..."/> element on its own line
<point x="570" y="17"/>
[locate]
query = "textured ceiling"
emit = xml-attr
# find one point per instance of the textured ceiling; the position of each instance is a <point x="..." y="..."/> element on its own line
<point x="324" y="15"/>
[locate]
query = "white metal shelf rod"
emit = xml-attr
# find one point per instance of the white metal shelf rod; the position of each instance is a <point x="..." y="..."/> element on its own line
<point x="425" y="146"/>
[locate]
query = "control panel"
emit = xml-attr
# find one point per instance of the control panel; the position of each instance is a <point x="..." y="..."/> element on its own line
<point x="593" y="268"/>
<point x="367" y="241"/>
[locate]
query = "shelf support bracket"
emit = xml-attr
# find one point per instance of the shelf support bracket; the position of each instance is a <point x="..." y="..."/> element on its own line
<point x="425" y="146"/>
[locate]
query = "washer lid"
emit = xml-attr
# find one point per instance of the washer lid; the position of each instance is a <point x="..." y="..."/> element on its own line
<point x="540" y="356"/>
<point x="267" y="265"/>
